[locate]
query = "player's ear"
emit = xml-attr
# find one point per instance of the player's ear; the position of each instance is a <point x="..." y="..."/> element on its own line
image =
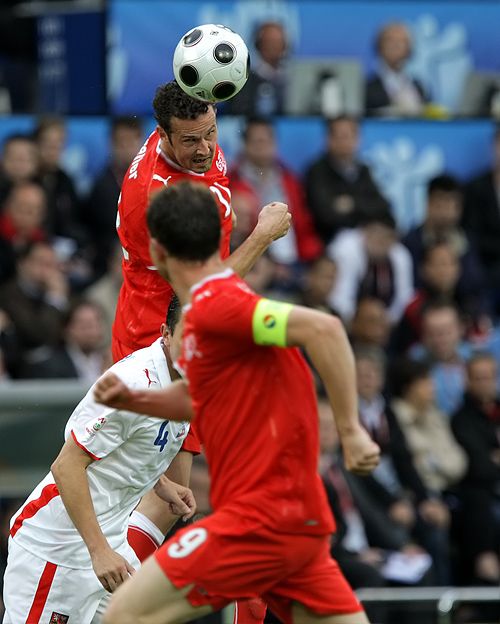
<point x="157" y="251"/>
<point x="163" y="134"/>
<point x="165" y="334"/>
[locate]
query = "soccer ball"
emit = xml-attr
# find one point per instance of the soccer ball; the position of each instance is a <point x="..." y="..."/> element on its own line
<point x="211" y="63"/>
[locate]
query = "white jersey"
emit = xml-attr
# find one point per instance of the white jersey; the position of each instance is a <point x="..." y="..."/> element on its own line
<point x="131" y="451"/>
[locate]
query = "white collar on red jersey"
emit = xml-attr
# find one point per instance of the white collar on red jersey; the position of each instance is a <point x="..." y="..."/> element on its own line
<point x="209" y="278"/>
<point x="174" y="165"/>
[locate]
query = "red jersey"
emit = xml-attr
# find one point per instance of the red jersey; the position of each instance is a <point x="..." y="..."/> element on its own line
<point x="145" y="296"/>
<point x="256" y="413"/>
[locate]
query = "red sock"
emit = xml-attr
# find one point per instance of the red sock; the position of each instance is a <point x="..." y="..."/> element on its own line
<point x="252" y="611"/>
<point x="142" y="543"/>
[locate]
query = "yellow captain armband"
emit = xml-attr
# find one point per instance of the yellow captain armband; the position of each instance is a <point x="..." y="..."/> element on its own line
<point x="270" y="319"/>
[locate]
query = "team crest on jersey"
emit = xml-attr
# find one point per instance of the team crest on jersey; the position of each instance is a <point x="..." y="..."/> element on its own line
<point x="190" y="350"/>
<point x="58" y="618"/>
<point x="220" y="163"/>
<point x="98" y="424"/>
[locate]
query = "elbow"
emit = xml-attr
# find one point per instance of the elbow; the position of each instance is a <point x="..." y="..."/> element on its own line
<point x="326" y="326"/>
<point x="56" y="469"/>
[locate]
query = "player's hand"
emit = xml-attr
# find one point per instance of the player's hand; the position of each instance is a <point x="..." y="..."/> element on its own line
<point x="274" y="221"/>
<point x="181" y="499"/>
<point x="111" y="391"/>
<point x="361" y="454"/>
<point x="110" y="568"/>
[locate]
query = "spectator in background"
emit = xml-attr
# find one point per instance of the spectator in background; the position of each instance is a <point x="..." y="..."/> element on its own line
<point x="80" y="354"/>
<point x="370" y="326"/>
<point x="63" y="215"/>
<point x="477" y="428"/>
<point x="340" y="189"/>
<point x="440" y="281"/>
<point x="262" y="275"/>
<point x="261" y="170"/>
<point x="481" y="218"/>
<point x="127" y="136"/>
<point x="104" y="292"/>
<point x="371" y="263"/>
<point x="444" y="349"/>
<point x="10" y="353"/>
<point x="395" y="488"/>
<point x="264" y="91"/>
<point x="437" y="457"/>
<point x="18" y="163"/>
<point x="391" y="91"/>
<point x="317" y="283"/>
<point x="36" y="298"/>
<point x="23" y="215"/>
<point x="442" y="223"/>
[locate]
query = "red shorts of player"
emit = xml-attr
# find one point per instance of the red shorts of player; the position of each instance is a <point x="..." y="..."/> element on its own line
<point x="227" y="560"/>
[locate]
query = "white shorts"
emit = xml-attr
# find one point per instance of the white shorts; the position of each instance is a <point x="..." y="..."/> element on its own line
<point x="38" y="591"/>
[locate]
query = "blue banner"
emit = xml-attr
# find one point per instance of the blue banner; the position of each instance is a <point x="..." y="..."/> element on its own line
<point x="450" y="39"/>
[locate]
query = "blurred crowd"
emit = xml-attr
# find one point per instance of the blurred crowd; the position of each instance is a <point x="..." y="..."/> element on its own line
<point x="422" y="311"/>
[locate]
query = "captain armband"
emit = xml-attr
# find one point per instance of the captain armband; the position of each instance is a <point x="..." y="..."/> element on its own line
<point x="269" y="323"/>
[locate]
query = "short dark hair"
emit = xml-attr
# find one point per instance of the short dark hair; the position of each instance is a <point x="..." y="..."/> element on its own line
<point x="332" y="121"/>
<point x="443" y="183"/>
<point x="13" y="138"/>
<point x="171" y="101"/>
<point x="77" y="305"/>
<point x="405" y="372"/>
<point x="256" y="120"/>
<point x="379" y="217"/>
<point x="46" y="122"/>
<point x="128" y="122"/>
<point x="173" y="314"/>
<point x="184" y="218"/>
<point x="479" y="356"/>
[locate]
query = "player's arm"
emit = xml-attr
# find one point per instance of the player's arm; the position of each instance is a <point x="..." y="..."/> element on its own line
<point x="154" y="506"/>
<point x="273" y="223"/>
<point x="69" y="471"/>
<point x="171" y="403"/>
<point x="324" y="339"/>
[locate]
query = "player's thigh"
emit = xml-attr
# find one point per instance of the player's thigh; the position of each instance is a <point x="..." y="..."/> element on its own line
<point x="37" y="590"/>
<point x="300" y="615"/>
<point x="148" y="597"/>
<point x="318" y="591"/>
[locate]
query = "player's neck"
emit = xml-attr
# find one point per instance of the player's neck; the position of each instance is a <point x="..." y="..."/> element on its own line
<point x="188" y="274"/>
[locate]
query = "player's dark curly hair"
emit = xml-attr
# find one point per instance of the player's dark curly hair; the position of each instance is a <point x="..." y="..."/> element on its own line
<point x="185" y="219"/>
<point x="171" y="101"/>
<point x="173" y="314"/>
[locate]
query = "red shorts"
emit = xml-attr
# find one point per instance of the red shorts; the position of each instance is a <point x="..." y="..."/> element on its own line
<point x="227" y="561"/>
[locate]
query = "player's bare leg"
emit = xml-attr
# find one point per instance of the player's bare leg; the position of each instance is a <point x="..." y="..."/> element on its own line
<point x="301" y="615"/>
<point x="148" y="597"/>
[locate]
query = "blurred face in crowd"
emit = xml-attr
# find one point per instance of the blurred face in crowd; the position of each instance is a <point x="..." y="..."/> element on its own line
<point x="20" y="160"/>
<point x="261" y="275"/>
<point x="320" y="279"/>
<point x="441" y="269"/>
<point x="370" y="324"/>
<point x="343" y="140"/>
<point x="395" y="45"/>
<point x="126" y="142"/>
<point x="192" y="142"/>
<point x="444" y="209"/>
<point x="39" y="266"/>
<point x="260" y="145"/>
<point x="272" y="43"/>
<point x="379" y="239"/>
<point x="51" y="145"/>
<point x="370" y="378"/>
<point x="26" y="206"/>
<point x="420" y="393"/>
<point x="482" y="379"/>
<point x="441" y="333"/>
<point x="86" y="328"/>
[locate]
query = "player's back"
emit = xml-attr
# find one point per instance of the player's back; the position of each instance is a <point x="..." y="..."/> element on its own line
<point x="256" y="413"/>
<point x="145" y="295"/>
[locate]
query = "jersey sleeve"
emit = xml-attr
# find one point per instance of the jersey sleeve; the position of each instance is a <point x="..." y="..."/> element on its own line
<point x="247" y="318"/>
<point x="100" y="431"/>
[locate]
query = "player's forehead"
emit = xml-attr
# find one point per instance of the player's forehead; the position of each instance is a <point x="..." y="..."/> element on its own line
<point x="194" y="127"/>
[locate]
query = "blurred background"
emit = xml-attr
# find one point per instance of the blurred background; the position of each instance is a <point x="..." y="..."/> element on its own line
<point x="378" y="124"/>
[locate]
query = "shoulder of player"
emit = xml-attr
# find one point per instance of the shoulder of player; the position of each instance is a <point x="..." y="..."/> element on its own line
<point x="138" y="370"/>
<point x="224" y="291"/>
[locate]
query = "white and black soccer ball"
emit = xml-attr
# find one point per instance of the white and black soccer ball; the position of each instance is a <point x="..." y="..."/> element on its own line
<point x="211" y="63"/>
